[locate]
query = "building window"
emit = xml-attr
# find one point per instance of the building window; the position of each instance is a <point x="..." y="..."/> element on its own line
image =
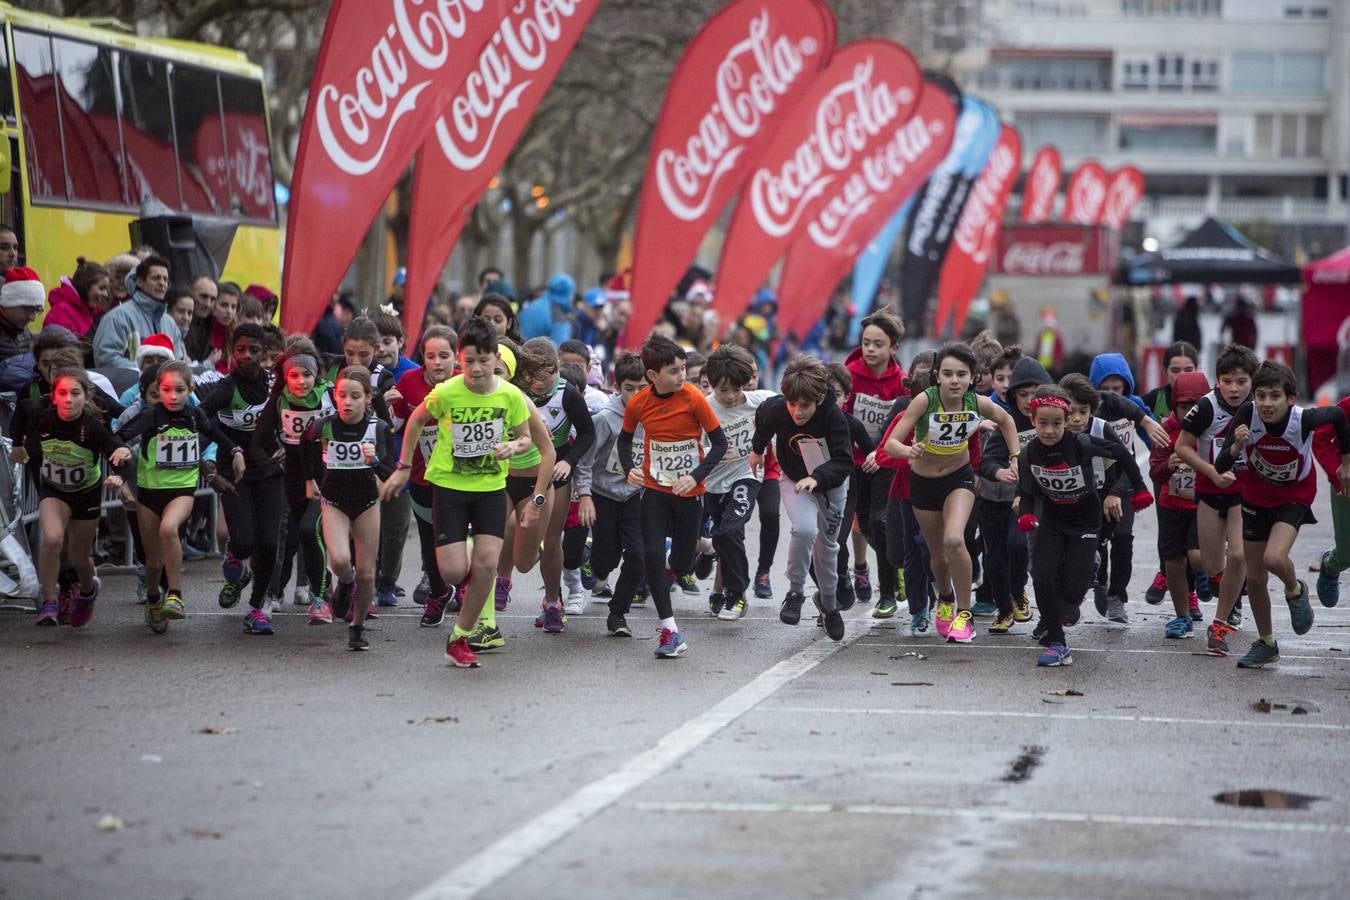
<point x="1312" y="136"/>
<point x="1204" y="75"/>
<point x="1135" y="75"/>
<point x="1302" y="72"/>
<point x="1264" y="144"/>
<point x="1169" y="138"/>
<point x="1288" y="136"/>
<point x="1071" y="133"/>
<point x="1189" y="8"/>
<point x="1171" y="71"/>
<point x="1252" y="72"/>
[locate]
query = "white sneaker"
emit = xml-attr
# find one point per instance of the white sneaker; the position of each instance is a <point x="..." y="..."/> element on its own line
<point x="302" y="596"/>
<point x="575" y="604"/>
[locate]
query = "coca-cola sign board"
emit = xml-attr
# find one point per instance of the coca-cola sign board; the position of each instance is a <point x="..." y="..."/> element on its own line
<point x="735" y="85"/>
<point x="1056" y="250"/>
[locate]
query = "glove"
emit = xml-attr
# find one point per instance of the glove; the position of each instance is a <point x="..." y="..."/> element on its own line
<point x="1141" y="501"/>
<point x="1027" y="523"/>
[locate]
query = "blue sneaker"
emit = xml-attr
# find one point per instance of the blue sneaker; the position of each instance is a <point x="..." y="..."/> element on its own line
<point x="256" y="622"/>
<point x="671" y="645"/>
<point x="1328" y="585"/>
<point x="918" y="625"/>
<point x="1300" y="610"/>
<point x="386" y="597"/>
<point x="984" y="608"/>
<point x="1180" y="627"/>
<point x="763" y="589"/>
<point x="1056" y="655"/>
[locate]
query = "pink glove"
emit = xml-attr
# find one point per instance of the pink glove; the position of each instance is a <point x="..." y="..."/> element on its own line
<point x="1027" y="523"/>
<point x="1141" y="501"/>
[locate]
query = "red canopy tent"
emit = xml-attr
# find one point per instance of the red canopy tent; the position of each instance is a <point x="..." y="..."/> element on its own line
<point x="1326" y="315"/>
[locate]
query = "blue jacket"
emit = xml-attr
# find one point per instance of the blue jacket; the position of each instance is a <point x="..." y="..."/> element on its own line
<point x="550" y="316"/>
<point x="1107" y="364"/>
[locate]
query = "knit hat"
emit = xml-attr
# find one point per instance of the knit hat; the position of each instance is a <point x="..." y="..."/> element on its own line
<point x="700" y="290"/>
<point x="22" y="288"/>
<point x="1189" y="387"/>
<point x="157" y="345"/>
<point x="617" y="289"/>
<point x="260" y="292"/>
<point x="561" y="290"/>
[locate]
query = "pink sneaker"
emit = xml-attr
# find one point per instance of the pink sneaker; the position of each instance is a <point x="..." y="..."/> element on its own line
<point x="82" y="607"/>
<point x="320" y="613"/>
<point x="458" y="652"/>
<point x="502" y="597"/>
<point x="942" y="621"/>
<point x="1196" y="614"/>
<point x="48" y="612"/>
<point x="962" y="630"/>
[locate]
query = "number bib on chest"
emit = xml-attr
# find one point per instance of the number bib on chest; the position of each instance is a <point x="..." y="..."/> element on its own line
<point x="67" y="466"/>
<point x="948" y="432"/>
<point x="739" y="437"/>
<point x="872" y="412"/>
<point x="176" y="449"/>
<point x="1061" y="484"/>
<point x="1124" y="430"/>
<point x="672" y="460"/>
<point x="426" y="442"/>
<point x="470" y="440"/>
<point x="245" y="419"/>
<point x="614" y="467"/>
<point x="345" y="455"/>
<point x="294" y="422"/>
<point x="1182" y="483"/>
<point x="1274" y="470"/>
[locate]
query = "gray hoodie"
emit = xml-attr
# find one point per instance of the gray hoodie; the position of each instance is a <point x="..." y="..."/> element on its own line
<point x="599" y="471"/>
<point x="1027" y="371"/>
<point x="121" y="331"/>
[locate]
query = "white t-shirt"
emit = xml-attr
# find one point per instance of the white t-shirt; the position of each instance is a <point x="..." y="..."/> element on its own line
<point x="738" y="424"/>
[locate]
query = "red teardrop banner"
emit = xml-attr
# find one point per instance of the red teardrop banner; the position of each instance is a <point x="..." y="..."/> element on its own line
<point x="1123" y="193"/>
<point x="1043" y="178"/>
<point x="1085" y="195"/>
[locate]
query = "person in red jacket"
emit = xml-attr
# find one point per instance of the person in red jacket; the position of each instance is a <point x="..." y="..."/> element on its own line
<point x="1337" y="559"/>
<point x="1174" y="485"/>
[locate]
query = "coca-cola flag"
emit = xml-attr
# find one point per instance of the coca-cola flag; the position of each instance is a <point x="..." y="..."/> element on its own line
<point x="732" y="89"/>
<point x="385" y="72"/>
<point x="859" y="204"/>
<point x="1123" y="193"/>
<point x="1085" y="195"/>
<point x="977" y="232"/>
<point x="853" y="108"/>
<point x="1038" y="194"/>
<point x="484" y="119"/>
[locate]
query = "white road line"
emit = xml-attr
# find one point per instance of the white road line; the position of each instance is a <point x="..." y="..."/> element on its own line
<point x="1277" y="722"/>
<point x="517" y="847"/>
<point x="1031" y="649"/>
<point x="1005" y="815"/>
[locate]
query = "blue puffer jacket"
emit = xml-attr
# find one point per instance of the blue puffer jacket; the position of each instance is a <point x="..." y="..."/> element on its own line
<point x="1105" y="365"/>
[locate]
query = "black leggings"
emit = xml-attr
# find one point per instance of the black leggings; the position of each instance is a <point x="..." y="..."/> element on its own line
<point x="618" y="533"/>
<point x="770" y="503"/>
<point x="665" y="515"/>
<point x="255" y="514"/>
<point x="871" y="511"/>
<point x="304" y="526"/>
<point x="1117" y="563"/>
<point x="574" y="546"/>
<point x="1005" y="554"/>
<point x="421" y="495"/>
<point x="1061" y="569"/>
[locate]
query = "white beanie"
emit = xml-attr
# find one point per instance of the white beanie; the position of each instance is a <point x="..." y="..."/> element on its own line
<point x="22" y="288"/>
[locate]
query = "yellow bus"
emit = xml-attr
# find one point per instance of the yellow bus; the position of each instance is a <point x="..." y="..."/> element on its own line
<point x="102" y="127"/>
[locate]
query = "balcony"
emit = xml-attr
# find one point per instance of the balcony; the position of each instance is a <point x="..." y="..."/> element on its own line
<point x="1291" y="210"/>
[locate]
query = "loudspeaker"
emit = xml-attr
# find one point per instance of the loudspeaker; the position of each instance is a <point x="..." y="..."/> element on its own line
<point x="193" y="247"/>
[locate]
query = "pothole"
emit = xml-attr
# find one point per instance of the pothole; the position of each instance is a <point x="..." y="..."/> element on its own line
<point x="1266" y="798"/>
<point x="1292" y="707"/>
<point x="1024" y="765"/>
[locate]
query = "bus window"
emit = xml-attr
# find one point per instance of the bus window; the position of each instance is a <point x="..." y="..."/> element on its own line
<point x="147" y="131"/>
<point x="248" y="152"/>
<point x="41" y="128"/>
<point x="89" y="123"/>
<point x="201" y="145"/>
<point x="6" y="94"/>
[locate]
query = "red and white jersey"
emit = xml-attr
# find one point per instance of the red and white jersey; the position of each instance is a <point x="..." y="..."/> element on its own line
<point x="1211" y="441"/>
<point x="1279" y="466"/>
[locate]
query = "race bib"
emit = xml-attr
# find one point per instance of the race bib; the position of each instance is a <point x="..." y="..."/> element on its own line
<point x="1024" y="437"/>
<point x="1124" y="430"/>
<point x="1286" y="473"/>
<point x="345" y="455"/>
<point x="1182" y="483"/>
<point x="426" y="442"/>
<point x="64" y="476"/>
<point x="739" y="437"/>
<point x="1061" y="484"/>
<point x="672" y="460"/>
<point x="471" y="440"/>
<point x="177" y="451"/>
<point x="951" y="430"/>
<point x="814" y="452"/>
<point x="295" y="421"/>
<point x="245" y="419"/>
<point x="872" y="412"/>
<point x="614" y="467"/>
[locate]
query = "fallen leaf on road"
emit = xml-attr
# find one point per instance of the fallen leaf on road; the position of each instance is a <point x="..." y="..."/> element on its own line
<point x="21" y="857"/>
<point x="1068" y="693"/>
<point x="219" y="729"/>
<point x="814" y="732"/>
<point x="911" y="684"/>
<point x="878" y="673"/>
<point x="437" y="719"/>
<point x="911" y="653"/>
<point x="204" y="833"/>
<point x="111" y="823"/>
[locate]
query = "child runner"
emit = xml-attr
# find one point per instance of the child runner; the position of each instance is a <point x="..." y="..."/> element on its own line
<point x="1203" y="432"/>
<point x="348" y="453"/>
<point x="474" y="413"/>
<point x="812" y="437"/>
<point x="64" y="446"/>
<point x="674" y="416"/>
<point x="1278" y="489"/>
<point x="943" y="420"/>
<point x="1056" y="499"/>
<point x="173" y="436"/>
<point x="864" y="448"/>
<point x="905" y="546"/>
<point x="1336" y="559"/>
<point x="1179" y="358"/>
<point x="397" y="513"/>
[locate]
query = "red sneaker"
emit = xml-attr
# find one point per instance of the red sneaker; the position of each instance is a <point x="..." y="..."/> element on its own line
<point x="458" y="652"/>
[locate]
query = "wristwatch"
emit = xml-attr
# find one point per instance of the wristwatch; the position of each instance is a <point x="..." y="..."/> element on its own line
<point x="538" y="499"/>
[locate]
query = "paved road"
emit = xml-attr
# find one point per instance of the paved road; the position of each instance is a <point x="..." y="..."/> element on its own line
<point x="768" y="761"/>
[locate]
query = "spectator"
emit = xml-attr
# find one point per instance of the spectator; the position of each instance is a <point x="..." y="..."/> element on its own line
<point x="78" y="301"/>
<point x="120" y="332"/>
<point x="327" y="335"/>
<point x="9" y="249"/>
<point x="497" y="311"/>
<point x="204" y="293"/>
<point x="488" y="276"/>
<point x="550" y="316"/>
<point x="591" y="316"/>
<point x="395" y="298"/>
<point x="182" y="306"/>
<point x="119" y="267"/>
<point x="463" y="311"/>
<point x="1241" y="324"/>
<point x="250" y="310"/>
<point x="1003" y="319"/>
<point x="1186" y="324"/>
<point x="263" y="294"/>
<point x="21" y="301"/>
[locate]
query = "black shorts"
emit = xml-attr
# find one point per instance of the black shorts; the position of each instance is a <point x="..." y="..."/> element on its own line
<point x="1257" y="521"/>
<point x="158" y="499"/>
<point x="930" y="494"/>
<point x="352" y="507"/>
<point x="1221" y="502"/>
<point x="518" y="488"/>
<point x="457" y="513"/>
<point x="84" y="505"/>
<point x="1177" y="533"/>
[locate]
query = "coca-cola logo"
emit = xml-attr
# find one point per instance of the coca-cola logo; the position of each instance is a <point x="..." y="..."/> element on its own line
<point x="1040" y="195"/>
<point x="750" y="84"/>
<point x="356" y="121"/>
<point x="999" y="171"/>
<point x="1121" y="198"/>
<point x="521" y="45"/>
<point x="846" y="120"/>
<point x="1035" y="258"/>
<point x="1086" y="194"/>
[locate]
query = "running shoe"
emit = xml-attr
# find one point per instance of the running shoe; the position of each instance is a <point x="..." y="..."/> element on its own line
<point x="640" y="596"/>
<point x="385" y="597"/>
<point x="1115" y="611"/>
<point x="732" y="610"/>
<point x="433" y="613"/>
<point x="900" y="590"/>
<point x="154" y="616"/>
<point x="356" y="638"/>
<point x="1216" y="637"/>
<point x="617" y="625"/>
<point x="844" y="595"/>
<point x="173" y="606"/>
<point x="65" y="600"/>
<point x="1099" y="599"/>
<point x="834" y="625"/>
<point x="456" y="601"/>
<point x="962" y="629"/>
<point x="1205" y="587"/>
<point x="320" y="613"/>
<point x="703" y="565"/>
<point x="1196" y="614"/>
<point x="763" y="589"/>
<point x="1328" y="585"/>
<point x="587" y="576"/>
<point x="48" y="613"/>
<point x="946" y="612"/>
<point x="862" y="583"/>
<point x="554" y="620"/>
<point x="141" y="592"/>
<point x="457" y="650"/>
<point x="1259" y="655"/>
<point x="687" y="584"/>
<point x="1235" y="617"/>
<point x="790" y="613"/>
<point x="372" y="611"/>
<point x="1071" y="615"/>
<point x="1002" y="624"/>
<point x="1157" y="590"/>
<point x="601" y="592"/>
<point x="485" y="638"/>
<point x="232" y="590"/>
<point x="302" y="596"/>
<point x="715" y="600"/>
<point x="503" y="594"/>
<point x="885" y="607"/>
<point x="255" y="621"/>
<point x="422" y="591"/>
<point x="82" y="605"/>
<point x="1300" y="610"/>
<point x="1021" y="607"/>
<point x="984" y="609"/>
<point x="1180" y="627"/>
<point x="1055" y="655"/>
<point x="342" y="600"/>
<point x="576" y="603"/>
<point x="919" y="625"/>
<point x="670" y="644"/>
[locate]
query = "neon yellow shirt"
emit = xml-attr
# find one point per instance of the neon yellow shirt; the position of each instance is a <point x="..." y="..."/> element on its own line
<point x="468" y="426"/>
